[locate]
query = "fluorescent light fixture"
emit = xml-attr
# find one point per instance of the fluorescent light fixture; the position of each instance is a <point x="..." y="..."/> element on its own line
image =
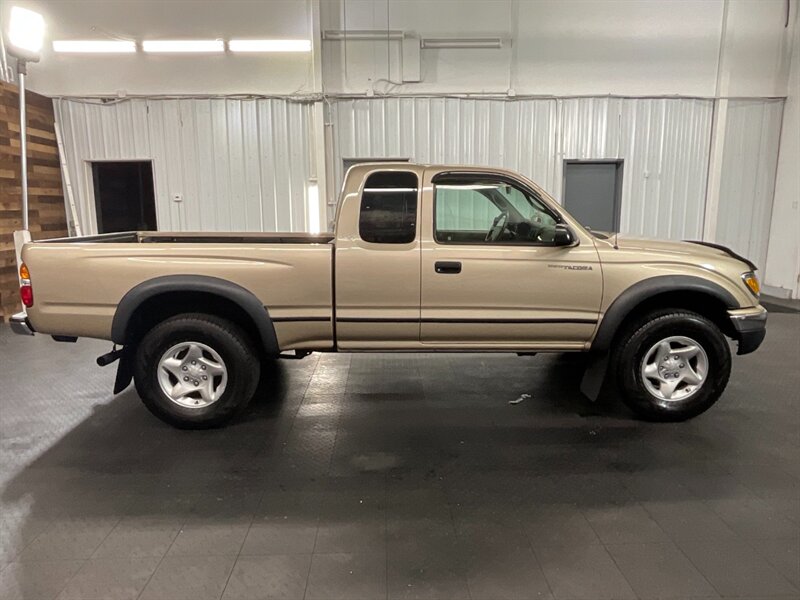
<point x="312" y="197"/>
<point x="269" y="45"/>
<point x="447" y="43"/>
<point x="183" y="46"/>
<point x="94" y="46"/>
<point x="25" y="34"/>
<point x="362" y="34"/>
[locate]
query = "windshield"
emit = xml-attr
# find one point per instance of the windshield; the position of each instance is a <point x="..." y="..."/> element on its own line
<point x="529" y="209"/>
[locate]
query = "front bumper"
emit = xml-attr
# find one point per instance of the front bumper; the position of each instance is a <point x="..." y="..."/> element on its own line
<point x="20" y="324"/>
<point x="750" y="326"/>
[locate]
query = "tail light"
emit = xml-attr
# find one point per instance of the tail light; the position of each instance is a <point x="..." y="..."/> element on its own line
<point x="25" y="289"/>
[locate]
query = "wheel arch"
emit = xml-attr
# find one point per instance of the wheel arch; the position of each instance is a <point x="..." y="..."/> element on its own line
<point x="666" y="291"/>
<point x="159" y="298"/>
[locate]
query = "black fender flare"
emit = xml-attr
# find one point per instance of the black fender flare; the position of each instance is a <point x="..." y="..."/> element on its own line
<point x="641" y="291"/>
<point x="627" y="301"/>
<point x="242" y="297"/>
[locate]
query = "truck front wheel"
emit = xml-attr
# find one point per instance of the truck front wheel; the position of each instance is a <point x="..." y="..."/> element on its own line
<point x="196" y="371"/>
<point x="672" y="365"/>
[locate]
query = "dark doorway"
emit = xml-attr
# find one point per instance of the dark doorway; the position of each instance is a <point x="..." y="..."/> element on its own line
<point x="592" y="192"/>
<point x="124" y="196"/>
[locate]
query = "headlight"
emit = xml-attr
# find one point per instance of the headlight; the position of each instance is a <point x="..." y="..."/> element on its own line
<point x="751" y="281"/>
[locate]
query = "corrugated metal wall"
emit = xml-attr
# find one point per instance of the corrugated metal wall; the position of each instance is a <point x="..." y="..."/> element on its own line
<point x="239" y="165"/>
<point x="518" y="135"/>
<point x="749" y="163"/>
<point x="245" y="164"/>
<point x="664" y="144"/>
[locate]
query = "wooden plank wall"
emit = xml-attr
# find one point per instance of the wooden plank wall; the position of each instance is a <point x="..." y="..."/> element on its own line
<point x="47" y="213"/>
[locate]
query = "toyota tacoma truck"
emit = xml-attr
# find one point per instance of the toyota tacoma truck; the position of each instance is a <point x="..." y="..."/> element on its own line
<point x="423" y="258"/>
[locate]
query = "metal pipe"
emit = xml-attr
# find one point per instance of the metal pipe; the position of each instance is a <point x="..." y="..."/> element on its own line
<point x="460" y="43"/>
<point x="362" y="35"/>
<point x="23" y="142"/>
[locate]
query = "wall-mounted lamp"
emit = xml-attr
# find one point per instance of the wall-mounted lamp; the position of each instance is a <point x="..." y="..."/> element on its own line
<point x="25" y="34"/>
<point x="313" y="208"/>
<point x="25" y="38"/>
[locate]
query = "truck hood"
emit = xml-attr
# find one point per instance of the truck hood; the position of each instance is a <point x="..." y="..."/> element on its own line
<point x="698" y="251"/>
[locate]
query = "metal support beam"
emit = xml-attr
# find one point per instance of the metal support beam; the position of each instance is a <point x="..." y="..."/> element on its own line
<point x="317" y="143"/>
<point x="23" y="236"/>
<point x="718" y="132"/>
<point x="23" y="141"/>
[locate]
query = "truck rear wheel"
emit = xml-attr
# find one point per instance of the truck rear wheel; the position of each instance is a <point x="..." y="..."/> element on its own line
<point x="196" y="371"/>
<point x="672" y="365"/>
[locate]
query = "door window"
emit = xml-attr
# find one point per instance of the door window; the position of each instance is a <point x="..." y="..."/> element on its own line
<point x="487" y="211"/>
<point x="389" y="208"/>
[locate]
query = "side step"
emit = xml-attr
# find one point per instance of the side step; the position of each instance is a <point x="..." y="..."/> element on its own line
<point x="110" y="357"/>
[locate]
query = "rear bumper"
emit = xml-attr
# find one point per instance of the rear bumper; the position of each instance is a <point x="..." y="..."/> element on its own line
<point x="750" y="326"/>
<point x="20" y="324"/>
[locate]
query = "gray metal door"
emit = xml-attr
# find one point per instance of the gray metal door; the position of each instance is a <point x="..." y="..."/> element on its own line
<point x="592" y="193"/>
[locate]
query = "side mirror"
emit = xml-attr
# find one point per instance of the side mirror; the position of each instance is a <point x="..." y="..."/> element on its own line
<point x="563" y="236"/>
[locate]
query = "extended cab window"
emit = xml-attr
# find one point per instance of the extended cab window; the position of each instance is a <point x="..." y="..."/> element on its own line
<point x="389" y="208"/>
<point x="489" y="211"/>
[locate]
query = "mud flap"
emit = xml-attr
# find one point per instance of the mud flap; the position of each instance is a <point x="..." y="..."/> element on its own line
<point x="124" y="370"/>
<point x="594" y="375"/>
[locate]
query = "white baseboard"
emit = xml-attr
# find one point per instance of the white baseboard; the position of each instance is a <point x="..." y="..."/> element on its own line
<point x="776" y="292"/>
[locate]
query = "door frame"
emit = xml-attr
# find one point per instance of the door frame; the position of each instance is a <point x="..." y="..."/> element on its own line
<point x="548" y="256"/>
<point x="620" y="164"/>
<point x="88" y="175"/>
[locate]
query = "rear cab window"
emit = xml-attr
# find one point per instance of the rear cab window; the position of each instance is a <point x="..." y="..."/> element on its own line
<point x="388" y="213"/>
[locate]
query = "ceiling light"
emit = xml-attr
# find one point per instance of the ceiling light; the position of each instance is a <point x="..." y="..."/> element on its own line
<point x="269" y="45"/>
<point x="183" y="46"/>
<point x="94" y="46"/>
<point x="25" y="34"/>
<point x="447" y="43"/>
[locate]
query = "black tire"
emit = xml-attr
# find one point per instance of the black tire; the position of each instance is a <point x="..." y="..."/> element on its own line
<point x="633" y="345"/>
<point x="227" y="340"/>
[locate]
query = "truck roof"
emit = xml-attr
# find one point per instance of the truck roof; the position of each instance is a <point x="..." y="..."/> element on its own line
<point x="358" y="171"/>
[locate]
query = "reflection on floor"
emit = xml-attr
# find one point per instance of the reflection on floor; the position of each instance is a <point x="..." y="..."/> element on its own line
<point x="397" y="476"/>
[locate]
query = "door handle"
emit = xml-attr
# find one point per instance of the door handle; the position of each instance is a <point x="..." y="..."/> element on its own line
<point x="447" y="267"/>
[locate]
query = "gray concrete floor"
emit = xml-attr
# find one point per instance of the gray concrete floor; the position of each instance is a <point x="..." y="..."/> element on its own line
<point x="398" y="476"/>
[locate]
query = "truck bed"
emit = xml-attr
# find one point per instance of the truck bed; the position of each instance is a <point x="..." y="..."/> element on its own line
<point x="156" y="237"/>
<point x="291" y="274"/>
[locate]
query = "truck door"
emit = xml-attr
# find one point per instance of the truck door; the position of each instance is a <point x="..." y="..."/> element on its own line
<point x="492" y="274"/>
<point x="377" y="268"/>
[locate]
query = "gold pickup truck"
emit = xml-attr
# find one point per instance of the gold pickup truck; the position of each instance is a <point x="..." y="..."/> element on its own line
<point x="423" y="258"/>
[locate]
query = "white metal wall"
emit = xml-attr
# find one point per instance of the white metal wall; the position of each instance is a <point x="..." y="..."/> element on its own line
<point x="245" y="164"/>
<point x="749" y="164"/>
<point x="518" y="135"/>
<point x="664" y="144"/>
<point x="239" y="165"/>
